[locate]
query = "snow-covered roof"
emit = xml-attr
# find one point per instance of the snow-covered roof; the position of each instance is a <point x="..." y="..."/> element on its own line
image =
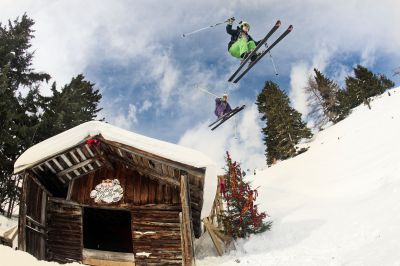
<point x="63" y="141"/>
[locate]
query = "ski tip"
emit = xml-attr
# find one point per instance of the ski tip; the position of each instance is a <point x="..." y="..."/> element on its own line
<point x="278" y="23"/>
<point x="290" y="28"/>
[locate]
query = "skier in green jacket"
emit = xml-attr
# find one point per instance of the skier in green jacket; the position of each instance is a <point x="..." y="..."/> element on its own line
<point x="241" y="43"/>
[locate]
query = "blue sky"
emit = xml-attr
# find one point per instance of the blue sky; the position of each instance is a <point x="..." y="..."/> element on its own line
<point x="148" y="73"/>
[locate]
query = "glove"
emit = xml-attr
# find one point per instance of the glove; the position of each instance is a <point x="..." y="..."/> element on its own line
<point x="231" y="20"/>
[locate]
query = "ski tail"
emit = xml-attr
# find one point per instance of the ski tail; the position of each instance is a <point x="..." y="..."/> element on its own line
<point x="224" y="116"/>
<point x="261" y="43"/>
<point x="229" y="115"/>
<point x="283" y="35"/>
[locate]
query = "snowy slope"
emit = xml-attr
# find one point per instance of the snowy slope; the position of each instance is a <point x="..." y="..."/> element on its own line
<point x="338" y="203"/>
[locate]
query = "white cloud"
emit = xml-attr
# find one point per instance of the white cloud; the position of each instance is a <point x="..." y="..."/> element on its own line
<point x="132" y="113"/>
<point x="167" y="75"/>
<point x="368" y="56"/>
<point x="298" y="80"/>
<point x="120" y="120"/>
<point x="145" y="106"/>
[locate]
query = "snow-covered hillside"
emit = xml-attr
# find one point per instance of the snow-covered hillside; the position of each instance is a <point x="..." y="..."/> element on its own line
<point x="336" y="204"/>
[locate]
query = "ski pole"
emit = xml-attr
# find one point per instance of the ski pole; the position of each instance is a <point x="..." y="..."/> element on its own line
<point x="212" y="26"/>
<point x="206" y="91"/>
<point x="272" y="60"/>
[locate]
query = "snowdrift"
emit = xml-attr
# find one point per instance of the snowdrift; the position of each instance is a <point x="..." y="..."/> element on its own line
<point x="336" y="204"/>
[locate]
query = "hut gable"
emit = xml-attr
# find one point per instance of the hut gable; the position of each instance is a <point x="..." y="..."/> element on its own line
<point x="111" y="195"/>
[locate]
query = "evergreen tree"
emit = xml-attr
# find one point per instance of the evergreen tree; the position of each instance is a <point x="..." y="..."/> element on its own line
<point x="284" y="126"/>
<point x="364" y="85"/>
<point x="241" y="217"/>
<point x="76" y="103"/>
<point x="323" y="100"/>
<point x="26" y="120"/>
<point x="16" y="120"/>
<point x="316" y="112"/>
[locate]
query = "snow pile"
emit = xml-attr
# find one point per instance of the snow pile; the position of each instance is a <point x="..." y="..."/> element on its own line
<point x="7" y="223"/>
<point x="336" y="204"/>
<point x="10" y="257"/>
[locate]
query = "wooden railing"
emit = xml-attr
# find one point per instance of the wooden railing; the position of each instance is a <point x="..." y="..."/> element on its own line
<point x="214" y="225"/>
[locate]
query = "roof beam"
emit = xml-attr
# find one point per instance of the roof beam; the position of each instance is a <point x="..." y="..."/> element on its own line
<point x="76" y="166"/>
<point x="197" y="172"/>
<point x="151" y="174"/>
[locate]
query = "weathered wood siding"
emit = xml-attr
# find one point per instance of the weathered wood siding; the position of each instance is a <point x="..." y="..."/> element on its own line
<point x="35" y="219"/>
<point x="156" y="237"/>
<point x="138" y="190"/>
<point x="64" y="231"/>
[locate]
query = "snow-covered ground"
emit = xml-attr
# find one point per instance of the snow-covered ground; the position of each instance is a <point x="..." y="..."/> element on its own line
<point x="336" y="204"/>
<point x="11" y="257"/>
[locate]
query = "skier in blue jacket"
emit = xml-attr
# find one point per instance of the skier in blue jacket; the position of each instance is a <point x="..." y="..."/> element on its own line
<point x="222" y="106"/>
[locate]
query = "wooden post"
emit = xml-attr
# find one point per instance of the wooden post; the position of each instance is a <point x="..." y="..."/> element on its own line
<point x="43" y="222"/>
<point x="70" y="188"/>
<point x="214" y="224"/>
<point x="186" y="223"/>
<point x="22" y="215"/>
<point x="211" y="231"/>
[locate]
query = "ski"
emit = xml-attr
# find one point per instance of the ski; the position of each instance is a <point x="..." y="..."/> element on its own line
<point x="283" y="35"/>
<point x="222" y="117"/>
<point x="227" y="116"/>
<point x="261" y="43"/>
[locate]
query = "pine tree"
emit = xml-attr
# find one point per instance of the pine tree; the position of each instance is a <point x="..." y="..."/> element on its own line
<point x="315" y="104"/>
<point x="364" y="85"/>
<point x="284" y="126"/>
<point x="26" y="120"/>
<point x="16" y="121"/>
<point x="241" y="217"/>
<point x="323" y="100"/>
<point x="76" y="103"/>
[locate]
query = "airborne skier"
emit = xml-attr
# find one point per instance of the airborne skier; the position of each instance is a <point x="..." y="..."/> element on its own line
<point x="241" y="44"/>
<point x="224" y="111"/>
<point x="222" y="106"/>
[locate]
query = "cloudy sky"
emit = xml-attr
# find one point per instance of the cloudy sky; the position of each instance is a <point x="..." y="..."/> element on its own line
<point x="149" y="75"/>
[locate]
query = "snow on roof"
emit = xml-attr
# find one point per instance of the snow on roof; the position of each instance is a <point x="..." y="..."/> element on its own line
<point x="74" y="136"/>
<point x="63" y="141"/>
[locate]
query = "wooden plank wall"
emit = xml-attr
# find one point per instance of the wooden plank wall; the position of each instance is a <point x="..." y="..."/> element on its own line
<point x="156" y="237"/>
<point x="64" y="231"/>
<point x="35" y="219"/>
<point x="138" y="190"/>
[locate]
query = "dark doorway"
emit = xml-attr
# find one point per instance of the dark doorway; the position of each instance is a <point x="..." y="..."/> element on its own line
<point x="108" y="230"/>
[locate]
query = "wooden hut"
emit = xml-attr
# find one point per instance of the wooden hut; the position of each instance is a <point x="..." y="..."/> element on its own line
<point x="101" y="195"/>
